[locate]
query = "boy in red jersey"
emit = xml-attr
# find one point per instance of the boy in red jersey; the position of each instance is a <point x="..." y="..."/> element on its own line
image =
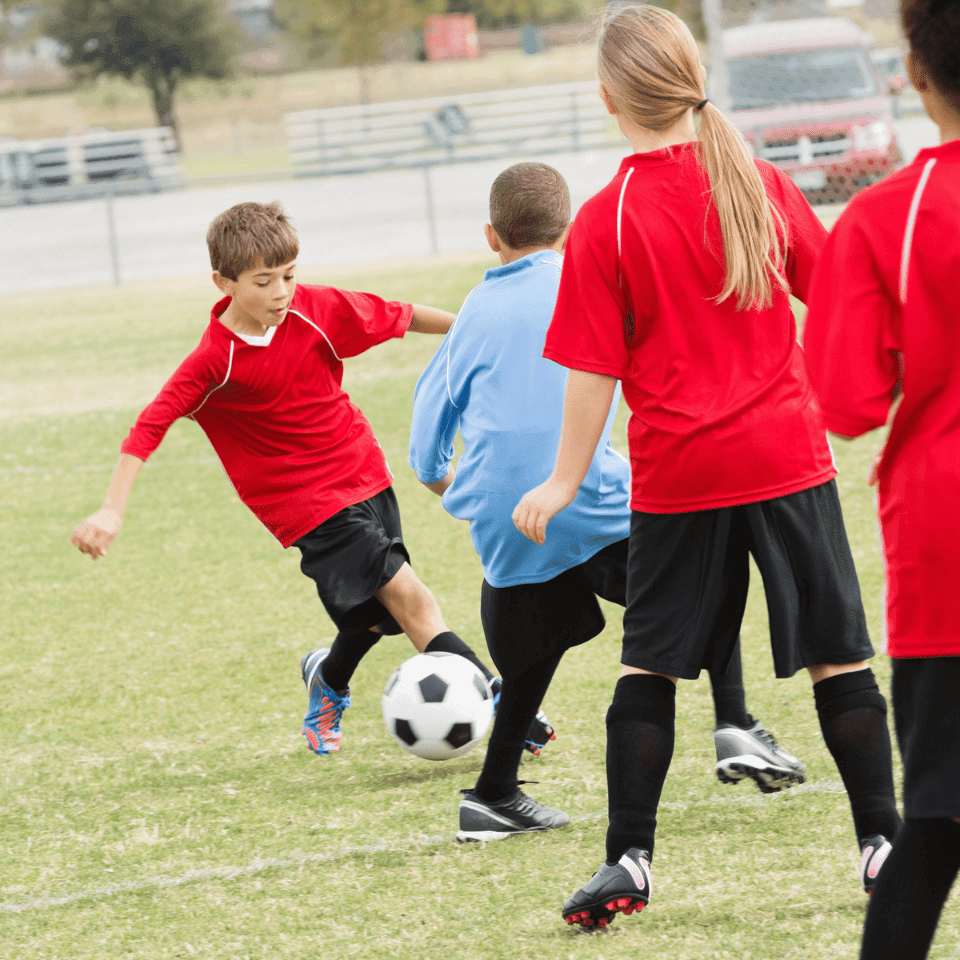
<point x="882" y="334"/>
<point x="264" y="385"/>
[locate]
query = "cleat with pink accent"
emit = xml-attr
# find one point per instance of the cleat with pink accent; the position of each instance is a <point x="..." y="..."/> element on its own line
<point x="321" y="726"/>
<point x="621" y="887"/>
<point x="873" y="852"/>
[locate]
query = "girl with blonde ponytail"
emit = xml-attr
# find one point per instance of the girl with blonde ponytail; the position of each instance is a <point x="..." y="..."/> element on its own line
<point x="676" y="281"/>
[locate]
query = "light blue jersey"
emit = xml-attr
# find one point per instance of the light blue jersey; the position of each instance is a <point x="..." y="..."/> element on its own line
<point x="490" y="381"/>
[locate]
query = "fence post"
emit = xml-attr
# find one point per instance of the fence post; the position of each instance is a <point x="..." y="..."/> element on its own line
<point x="431" y="210"/>
<point x="112" y="239"/>
<point x="575" y="117"/>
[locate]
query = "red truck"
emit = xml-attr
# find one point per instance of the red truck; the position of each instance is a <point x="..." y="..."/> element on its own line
<point x="807" y="97"/>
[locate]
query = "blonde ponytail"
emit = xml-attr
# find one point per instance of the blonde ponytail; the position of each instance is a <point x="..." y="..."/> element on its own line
<point x="752" y="228"/>
<point x="650" y="68"/>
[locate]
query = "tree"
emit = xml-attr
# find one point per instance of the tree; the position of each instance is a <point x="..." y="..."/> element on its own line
<point x="157" y="43"/>
<point x="354" y="29"/>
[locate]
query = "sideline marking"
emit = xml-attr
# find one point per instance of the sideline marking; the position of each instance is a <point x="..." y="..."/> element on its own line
<point x="259" y="866"/>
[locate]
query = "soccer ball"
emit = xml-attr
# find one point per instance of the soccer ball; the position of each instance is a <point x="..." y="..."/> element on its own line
<point x="437" y="705"/>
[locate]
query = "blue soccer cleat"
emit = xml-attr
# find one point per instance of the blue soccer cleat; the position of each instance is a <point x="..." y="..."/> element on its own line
<point x="321" y="726"/>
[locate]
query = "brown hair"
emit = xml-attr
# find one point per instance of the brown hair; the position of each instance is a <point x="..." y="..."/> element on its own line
<point x="249" y="234"/>
<point x="529" y="206"/>
<point x="650" y="68"/>
<point x="933" y="30"/>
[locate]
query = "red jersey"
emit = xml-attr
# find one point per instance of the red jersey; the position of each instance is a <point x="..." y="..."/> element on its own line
<point x="884" y="312"/>
<point x="293" y="445"/>
<point x="722" y="409"/>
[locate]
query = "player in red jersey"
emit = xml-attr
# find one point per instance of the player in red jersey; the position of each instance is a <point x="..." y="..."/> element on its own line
<point x="676" y="281"/>
<point x="883" y="335"/>
<point x="264" y="385"/>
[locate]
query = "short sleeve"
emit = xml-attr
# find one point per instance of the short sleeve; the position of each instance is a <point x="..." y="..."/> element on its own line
<point x="850" y="336"/>
<point x="806" y="235"/>
<point x="180" y="396"/>
<point x="589" y="327"/>
<point x="352" y="321"/>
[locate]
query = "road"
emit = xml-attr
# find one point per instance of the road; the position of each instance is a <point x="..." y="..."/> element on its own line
<point x="340" y="220"/>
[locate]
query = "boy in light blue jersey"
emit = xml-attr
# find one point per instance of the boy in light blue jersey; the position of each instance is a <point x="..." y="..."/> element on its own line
<point x="490" y="381"/>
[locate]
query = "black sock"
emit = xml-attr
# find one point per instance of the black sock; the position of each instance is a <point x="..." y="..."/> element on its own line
<point x="729" y="700"/>
<point x="449" y="642"/>
<point x="520" y="698"/>
<point x="640" y="733"/>
<point x="853" y="718"/>
<point x="910" y="891"/>
<point x="346" y="652"/>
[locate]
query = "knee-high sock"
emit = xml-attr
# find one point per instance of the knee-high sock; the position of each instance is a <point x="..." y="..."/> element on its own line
<point x="729" y="700"/>
<point x="449" y="642"/>
<point x="911" y="890"/>
<point x="640" y="734"/>
<point x="853" y="718"/>
<point x="346" y="652"/>
<point x="520" y="698"/>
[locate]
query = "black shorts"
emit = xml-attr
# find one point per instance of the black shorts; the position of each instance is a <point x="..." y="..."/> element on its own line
<point x="351" y="556"/>
<point x="689" y="574"/>
<point x="531" y="622"/>
<point x="926" y="712"/>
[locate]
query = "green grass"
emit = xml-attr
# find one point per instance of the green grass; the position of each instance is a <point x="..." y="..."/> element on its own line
<point x="157" y="798"/>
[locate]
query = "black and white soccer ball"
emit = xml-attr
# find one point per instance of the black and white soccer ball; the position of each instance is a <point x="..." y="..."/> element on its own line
<point x="437" y="705"/>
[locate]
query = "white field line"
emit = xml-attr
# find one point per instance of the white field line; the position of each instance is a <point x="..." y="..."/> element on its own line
<point x="295" y="860"/>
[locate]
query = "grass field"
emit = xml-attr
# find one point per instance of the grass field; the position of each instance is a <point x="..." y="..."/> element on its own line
<point x="158" y="800"/>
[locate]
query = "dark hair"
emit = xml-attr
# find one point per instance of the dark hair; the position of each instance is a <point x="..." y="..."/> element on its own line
<point x="529" y="205"/>
<point x="933" y="31"/>
<point x="249" y="234"/>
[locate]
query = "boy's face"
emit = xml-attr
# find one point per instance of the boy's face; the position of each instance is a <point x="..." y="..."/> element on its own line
<point x="261" y="296"/>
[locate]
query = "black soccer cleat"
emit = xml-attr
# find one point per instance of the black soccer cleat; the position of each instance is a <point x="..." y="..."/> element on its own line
<point x="518" y="813"/>
<point x="621" y="887"/>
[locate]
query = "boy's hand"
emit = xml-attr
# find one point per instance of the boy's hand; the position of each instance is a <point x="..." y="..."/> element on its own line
<point x="97" y="532"/>
<point x="539" y="506"/>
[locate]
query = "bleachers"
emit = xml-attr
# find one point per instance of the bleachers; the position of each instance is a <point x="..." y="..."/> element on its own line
<point x="450" y="129"/>
<point x="91" y="164"/>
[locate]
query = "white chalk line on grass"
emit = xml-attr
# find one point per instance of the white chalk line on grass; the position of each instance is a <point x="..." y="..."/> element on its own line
<point x="296" y="860"/>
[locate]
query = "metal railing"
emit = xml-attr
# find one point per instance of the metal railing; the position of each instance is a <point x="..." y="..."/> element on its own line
<point x="89" y="165"/>
<point x="452" y="129"/>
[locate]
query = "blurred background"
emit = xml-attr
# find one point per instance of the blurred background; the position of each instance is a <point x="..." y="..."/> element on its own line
<point x="126" y="125"/>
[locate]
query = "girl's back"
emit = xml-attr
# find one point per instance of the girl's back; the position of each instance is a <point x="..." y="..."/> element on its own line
<point x="723" y="411"/>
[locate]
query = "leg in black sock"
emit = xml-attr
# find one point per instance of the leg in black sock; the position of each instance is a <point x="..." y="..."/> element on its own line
<point x="520" y="698"/>
<point x="449" y="642"/>
<point x="346" y="652"/>
<point x="729" y="700"/>
<point x="853" y="718"/>
<point x="640" y="735"/>
<point x="911" y="890"/>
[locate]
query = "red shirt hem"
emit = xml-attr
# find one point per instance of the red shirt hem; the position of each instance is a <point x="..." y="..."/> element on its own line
<point x="287" y="541"/>
<point x="734" y="500"/>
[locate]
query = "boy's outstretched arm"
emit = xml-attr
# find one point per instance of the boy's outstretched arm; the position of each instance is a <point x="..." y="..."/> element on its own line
<point x="431" y="319"/>
<point x="100" y="529"/>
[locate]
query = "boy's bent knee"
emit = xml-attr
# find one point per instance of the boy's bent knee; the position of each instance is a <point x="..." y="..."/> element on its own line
<point x="822" y="671"/>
